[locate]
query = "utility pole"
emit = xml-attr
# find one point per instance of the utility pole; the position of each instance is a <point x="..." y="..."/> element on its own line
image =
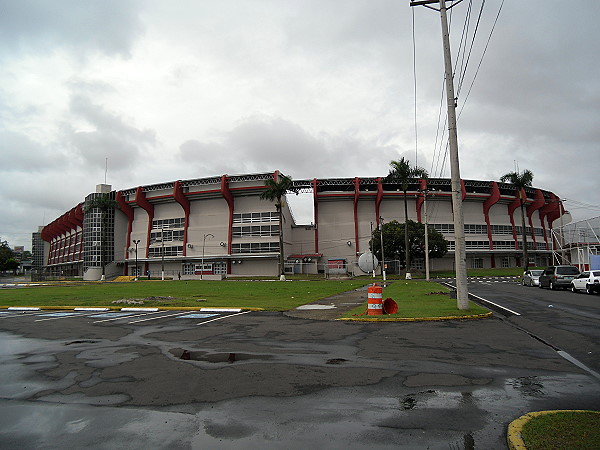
<point x="382" y="255"/>
<point x="372" y="251"/>
<point x="426" y="236"/>
<point x="460" y="257"/>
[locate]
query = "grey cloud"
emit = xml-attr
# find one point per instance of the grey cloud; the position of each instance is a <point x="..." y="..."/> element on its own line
<point x="23" y="154"/>
<point x="107" y="26"/>
<point x="111" y="138"/>
<point x="263" y="143"/>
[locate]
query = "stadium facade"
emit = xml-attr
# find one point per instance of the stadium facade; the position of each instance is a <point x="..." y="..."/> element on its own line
<point x="219" y="227"/>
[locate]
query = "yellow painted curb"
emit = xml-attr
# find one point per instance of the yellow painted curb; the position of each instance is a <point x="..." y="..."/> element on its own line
<point x="416" y="319"/>
<point x="514" y="436"/>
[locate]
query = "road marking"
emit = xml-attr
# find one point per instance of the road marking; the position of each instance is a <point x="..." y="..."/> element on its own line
<point x="578" y="364"/>
<point x="111" y="315"/>
<point x="197" y="316"/>
<point x="160" y="317"/>
<point x="485" y="301"/>
<point x="129" y="316"/>
<point x="495" y="304"/>
<point x="64" y="315"/>
<point x="224" y="317"/>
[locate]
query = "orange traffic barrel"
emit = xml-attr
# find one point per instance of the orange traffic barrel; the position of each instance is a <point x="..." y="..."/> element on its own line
<point x="375" y="306"/>
<point x="390" y="306"/>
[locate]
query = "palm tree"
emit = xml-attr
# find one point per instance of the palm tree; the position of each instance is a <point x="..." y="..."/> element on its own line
<point x="520" y="181"/>
<point x="402" y="173"/>
<point x="275" y="191"/>
<point x="105" y="204"/>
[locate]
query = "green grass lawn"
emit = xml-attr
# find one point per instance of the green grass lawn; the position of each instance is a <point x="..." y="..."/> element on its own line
<point x="420" y="299"/>
<point x="568" y="429"/>
<point x="414" y="298"/>
<point x="269" y="295"/>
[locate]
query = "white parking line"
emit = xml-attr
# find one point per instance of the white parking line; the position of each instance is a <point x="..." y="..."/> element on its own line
<point x="125" y="317"/>
<point x="64" y="316"/>
<point x="161" y="317"/>
<point x="8" y="315"/>
<point x="224" y="317"/>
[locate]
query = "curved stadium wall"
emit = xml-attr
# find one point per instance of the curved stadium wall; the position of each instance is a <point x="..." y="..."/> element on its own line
<point x="219" y="227"/>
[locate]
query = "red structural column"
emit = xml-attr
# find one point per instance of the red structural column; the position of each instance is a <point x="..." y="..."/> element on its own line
<point x="463" y="189"/>
<point x="511" y="209"/>
<point x="180" y="198"/>
<point x="537" y="203"/>
<point x="487" y="204"/>
<point x="356" y="196"/>
<point x="545" y="212"/>
<point x="316" y="208"/>
<point x="72" y="219"/>
<point x="556" y="211"/>
<point x="79" y="215"/>
<point x="226" y="193"/>
<point x="142" y="202"/>
<point x="378" y="199"/>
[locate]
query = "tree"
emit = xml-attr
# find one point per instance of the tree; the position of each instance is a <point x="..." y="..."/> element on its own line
<point x="12" y="264"/>
<point x="402" y="173"/>
<point x="520" y="180"/>
<point x="105" y="204"/>
<point x="275" y="191"/>
<point x="6" y="254"/>
<point x="394" y="241"/>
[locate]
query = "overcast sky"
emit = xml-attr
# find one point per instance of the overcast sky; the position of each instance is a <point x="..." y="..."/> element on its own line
<point x="170" y="90"/>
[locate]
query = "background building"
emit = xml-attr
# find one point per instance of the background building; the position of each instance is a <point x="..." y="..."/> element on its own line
<point x="216" y="227"/>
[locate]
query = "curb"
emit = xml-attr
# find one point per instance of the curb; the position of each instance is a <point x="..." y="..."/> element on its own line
<point x="418" y="319"/>
<point x="119" y="308"/>
<point x="514" y="437"/>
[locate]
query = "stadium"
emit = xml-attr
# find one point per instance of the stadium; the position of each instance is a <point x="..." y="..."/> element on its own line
<point x="218" y="227"/>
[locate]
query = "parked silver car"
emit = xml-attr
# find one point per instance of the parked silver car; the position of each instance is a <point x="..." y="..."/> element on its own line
<point x="555" y="277"/>
<point x="588" y="280"/>
<point x="532" y="277"/>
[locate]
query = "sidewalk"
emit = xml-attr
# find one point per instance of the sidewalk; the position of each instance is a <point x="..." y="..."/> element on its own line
<point x="330" y="308"/>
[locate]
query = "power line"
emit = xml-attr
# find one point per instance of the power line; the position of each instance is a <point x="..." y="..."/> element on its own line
<point x="481" y="59"/>
<point x="462" y="77"/>
<point x="415" y="85"/>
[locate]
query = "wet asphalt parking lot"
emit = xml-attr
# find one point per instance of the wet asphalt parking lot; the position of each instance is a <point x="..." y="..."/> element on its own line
<point x="267" y="380"/>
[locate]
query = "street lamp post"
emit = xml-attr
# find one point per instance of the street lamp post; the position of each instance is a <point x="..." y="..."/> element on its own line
<point x="137" y="273"/>
<point x="203" y="246"/>
<point x="382" y="254"/>
<point x="162" y="254"/>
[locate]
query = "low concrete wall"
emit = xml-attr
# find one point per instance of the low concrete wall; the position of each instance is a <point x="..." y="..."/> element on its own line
<point x="204" y="277"/>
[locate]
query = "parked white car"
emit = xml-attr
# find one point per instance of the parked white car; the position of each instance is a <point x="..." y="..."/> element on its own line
<point x="532" y="277"/>
<point x="588" y="281"/>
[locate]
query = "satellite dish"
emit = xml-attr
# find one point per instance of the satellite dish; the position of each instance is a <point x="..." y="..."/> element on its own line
<point x="367" y="262"/>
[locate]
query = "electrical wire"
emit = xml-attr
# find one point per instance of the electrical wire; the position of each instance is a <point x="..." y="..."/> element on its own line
<point x="481" y="59"/>
<point x="415" y="86"/>
<point x="462" y="77"/>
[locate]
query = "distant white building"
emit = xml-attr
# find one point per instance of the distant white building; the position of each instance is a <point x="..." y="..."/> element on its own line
<point x="578" y="243"/>
<point x="219" y="227"/>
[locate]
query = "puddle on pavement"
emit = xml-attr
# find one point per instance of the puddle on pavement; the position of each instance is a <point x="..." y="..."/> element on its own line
<point x="527" y="386"/>
<point x="216" y="358"/>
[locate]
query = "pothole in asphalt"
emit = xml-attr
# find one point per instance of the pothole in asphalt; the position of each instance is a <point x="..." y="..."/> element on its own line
<point x="84" y="341"/>
<point x="336" y="361"/>
<point x="529" y="386"/>
<point x="216" y="358"/>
